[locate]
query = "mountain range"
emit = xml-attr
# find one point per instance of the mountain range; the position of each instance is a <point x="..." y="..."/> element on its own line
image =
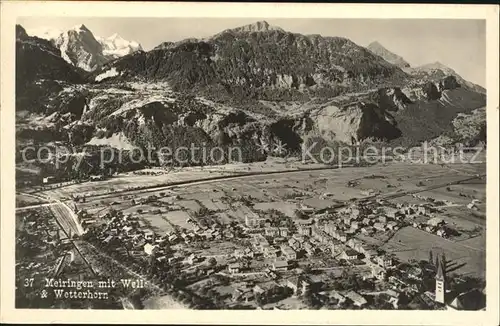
<point x="249" y="86"/>
<point x="81" y="48"/>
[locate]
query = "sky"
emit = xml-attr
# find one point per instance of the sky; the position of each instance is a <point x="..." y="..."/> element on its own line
<point x="457" y="43"/>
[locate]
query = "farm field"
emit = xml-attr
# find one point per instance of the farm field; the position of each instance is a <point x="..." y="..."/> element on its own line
<point x="224" y="217"/>
<point x="238" y="212"/>
<point x="202" y="192"/>
<point x="157" y="223"/>
<point x="310" y="185"/>
<point x="219" y="249"/>
<point x="158" y="177"/>
<point x="466" y="257"/>
<point x="285" y="207"/>
<point x="190" y="205"/>
<point x="24" y="200"/>
<point x="318" y="203"/>
<point x="178" y="218"/>
<point x="214" y="205"/>
<point x="267" y="187"/>
<point x="461" y="217"/>
<point x="127" y="181"/>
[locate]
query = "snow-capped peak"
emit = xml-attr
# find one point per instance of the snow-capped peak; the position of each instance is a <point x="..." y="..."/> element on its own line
<point x="80" y="47"/>
<point x="116" y="46"/>
<point x="47" y="33"/>
<point x="80" y="28"/>
<point x="115" y="36"/>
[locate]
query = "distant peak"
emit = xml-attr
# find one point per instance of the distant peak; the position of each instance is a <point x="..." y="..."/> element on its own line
<point x="444" y="67"/>
<point x="80" y="28"/>
<point x="114" y="36"/>
<point x="260" y="26"/>
<point x="436" y="65"/>
<point x="387" y="55"/>
<point x="375" y="43"/>
<point x="44" y="32"/>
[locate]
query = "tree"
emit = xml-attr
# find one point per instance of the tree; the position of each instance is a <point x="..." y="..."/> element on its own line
<point x="310" y="300"/>
<point x="307" y="269"/>
<point x="212" y="262"/>
<point x="299" y="214"/>
<point x="258" y="299"/>
<point x="204" y="291"/>
<point x="380" y="302"/>
<point x="431" y="259"/>
<point x="211" y="293"/>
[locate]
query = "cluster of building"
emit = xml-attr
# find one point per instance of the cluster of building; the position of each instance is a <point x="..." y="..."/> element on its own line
<point x="129" y="230"/>
<point x="47" y="231"/>
<point x="54" y="179"/>
<point x="434" y="225"/>
<point x="326" y="232"/>
<point x="44" y="228"/>
<point x="336" y="234"/>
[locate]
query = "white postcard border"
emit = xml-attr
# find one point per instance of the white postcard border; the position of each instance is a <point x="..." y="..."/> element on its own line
<point x="11" y="10"/>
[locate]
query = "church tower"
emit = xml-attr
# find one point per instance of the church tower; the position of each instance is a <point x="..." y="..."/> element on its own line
<point x="440" y="282"/>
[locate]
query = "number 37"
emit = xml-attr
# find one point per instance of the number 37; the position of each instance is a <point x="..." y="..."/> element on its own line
<point x="28" y="282"/>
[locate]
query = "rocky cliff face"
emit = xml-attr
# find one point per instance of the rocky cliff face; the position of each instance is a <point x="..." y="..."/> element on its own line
<point x="432" y="115"/>
<point x="370" y="115"/>
<point x="436" y="72"/>
<point x="80" y="48"/>
<point x="468" y="129"/>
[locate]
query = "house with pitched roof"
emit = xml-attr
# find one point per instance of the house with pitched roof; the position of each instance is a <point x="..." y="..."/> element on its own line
<point x="356" y="298"/>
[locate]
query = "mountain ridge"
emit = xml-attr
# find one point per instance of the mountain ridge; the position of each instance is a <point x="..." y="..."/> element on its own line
<point x="240" y="57"/>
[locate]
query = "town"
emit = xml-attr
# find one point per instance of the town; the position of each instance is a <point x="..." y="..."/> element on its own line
<point x="291" y="243"/>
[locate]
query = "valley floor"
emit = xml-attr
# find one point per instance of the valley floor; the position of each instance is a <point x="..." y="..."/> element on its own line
<point x="165" y="210"/>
